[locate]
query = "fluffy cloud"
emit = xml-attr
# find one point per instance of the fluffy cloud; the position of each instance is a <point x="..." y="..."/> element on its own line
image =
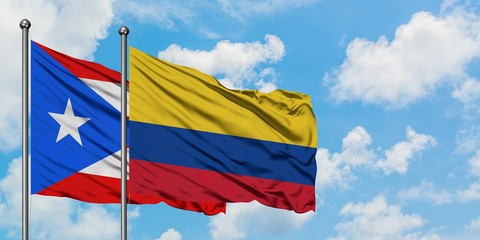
<point x="378" y="220"/>
<point x="337" y="168"/>
<point x="474" y="163"/>
<point x="398" y="157"/>
<point x="253" y="218"/>
<point x="472" y="193"/>
<point x="468" y="93"/>
<point x="238" y="71"/>
<point x="73" y="27"/>
<point x="425" y="191"/>
<point x="170" y="234"/>
<point x="411" y="66"/>
<point x="468" y="140"/>
<point x="51" y="217"/>
<point x="355" y="151"/>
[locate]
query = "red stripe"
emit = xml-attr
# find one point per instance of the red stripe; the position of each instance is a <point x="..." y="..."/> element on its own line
<point x="82" y="68"/>
<point x="100" y="189"/>
<point x="192" y="184"/>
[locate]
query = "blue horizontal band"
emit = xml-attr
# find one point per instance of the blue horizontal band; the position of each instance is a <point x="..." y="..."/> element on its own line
<point x="222" y="153"/>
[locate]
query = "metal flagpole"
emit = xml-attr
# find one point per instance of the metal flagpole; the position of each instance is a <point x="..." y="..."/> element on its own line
<point x="25" y="26"/>
<point x="123" y="31"/>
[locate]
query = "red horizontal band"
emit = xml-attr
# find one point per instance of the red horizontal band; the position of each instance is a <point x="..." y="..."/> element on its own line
<point x="99" y="189"/>
<point x="192" y="184"/>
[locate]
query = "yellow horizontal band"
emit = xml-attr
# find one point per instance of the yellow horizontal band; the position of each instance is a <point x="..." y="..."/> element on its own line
<point x="172" y="95"/>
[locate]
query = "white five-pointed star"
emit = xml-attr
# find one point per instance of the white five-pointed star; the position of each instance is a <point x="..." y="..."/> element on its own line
<point x="69" y="123"/>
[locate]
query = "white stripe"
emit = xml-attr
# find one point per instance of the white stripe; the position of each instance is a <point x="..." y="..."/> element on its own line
<point x="108" y="91"/>
<point x="108" y="167"/>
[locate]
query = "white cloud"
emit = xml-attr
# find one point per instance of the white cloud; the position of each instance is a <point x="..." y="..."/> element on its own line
<point x="474" y="163"/>
<point x="468" y="140"/>
<point x="468" y="93"/>
<point x="470" y="194"/>
<point x="11" y="197"/>
<point x="57" y="218"/>
<point x="473" y="226"/>
<point x="170" y="234"/>
<point x="337" y="168"/>
<point x="71" y="26"/>
<point x="377" y="220"/>
<point x="355" y="150"/>
<point x="398" y="157"/>
<point x="244" y="219"/>
<point x="420" y="236"/>
<point x="52" y="217"/>
<point x="448" y="5"/>
<point x="331" y="171"/>
<point x="411" y="66"/>
<point x="134" y="213"/>
<point x="425" y="191"/>
<point x="238" y="71"/>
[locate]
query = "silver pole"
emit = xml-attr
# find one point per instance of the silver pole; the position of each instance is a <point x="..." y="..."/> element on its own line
<point x="123" y="31"/>
<point x="25" y="26"/>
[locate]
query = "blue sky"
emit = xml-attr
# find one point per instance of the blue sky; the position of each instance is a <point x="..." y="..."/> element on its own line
<point x="394" y="85"/>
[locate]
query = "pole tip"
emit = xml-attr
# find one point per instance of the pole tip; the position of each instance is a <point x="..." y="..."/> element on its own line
<point x="25" y="24"/>
<point x="123" y="30"/>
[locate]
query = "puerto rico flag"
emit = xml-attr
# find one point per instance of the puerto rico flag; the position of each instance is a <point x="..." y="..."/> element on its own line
<point x="75" y="132"/>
